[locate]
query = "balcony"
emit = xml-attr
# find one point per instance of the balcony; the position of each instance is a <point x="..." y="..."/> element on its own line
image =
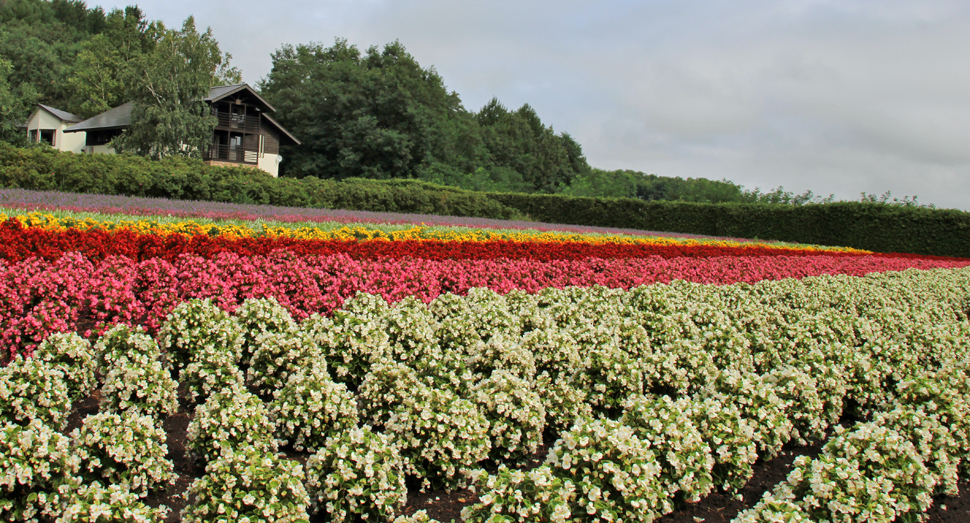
<point x="232" y="154"/>
<point x="237" y="122"/>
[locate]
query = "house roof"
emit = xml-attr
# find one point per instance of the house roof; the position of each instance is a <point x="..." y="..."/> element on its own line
<point x="222" y="91"/>
<point x="63" y="116"/>
<point x="117" y="118"/>
<point x="280" y="128"/>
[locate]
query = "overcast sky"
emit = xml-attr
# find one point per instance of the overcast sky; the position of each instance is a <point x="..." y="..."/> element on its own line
<point x="839" y="96"/>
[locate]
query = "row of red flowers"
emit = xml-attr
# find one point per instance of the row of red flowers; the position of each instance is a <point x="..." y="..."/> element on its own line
<point x="20" y="243"/>
<point x="71" y="293"/>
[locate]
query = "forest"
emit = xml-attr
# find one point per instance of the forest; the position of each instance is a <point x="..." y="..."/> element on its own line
<point x="374" y="113"/>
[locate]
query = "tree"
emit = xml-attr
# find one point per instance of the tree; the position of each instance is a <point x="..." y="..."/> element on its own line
<point x="169" y="114"/>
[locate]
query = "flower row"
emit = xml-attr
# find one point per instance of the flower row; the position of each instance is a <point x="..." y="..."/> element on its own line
<point x="357" y="232"/>
<point x="19" y="243"/>
<point x="74" y="292"/>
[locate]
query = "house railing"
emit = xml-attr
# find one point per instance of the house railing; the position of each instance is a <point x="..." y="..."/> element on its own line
<point x="232" y="153"/>
<point x="247" y="124"/>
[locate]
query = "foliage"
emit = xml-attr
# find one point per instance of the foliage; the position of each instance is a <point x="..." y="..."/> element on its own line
<point x="72" y="355"/>
<point x="248" y="484"/>
<point x="139" y="385"/>
<point x="33" y="389"/>
<point x="97" y="503"/>
<point x="357" y="473"/>
<point x="127" y="450"/>
<point x="310" y="407"/>
<point x="34" y="462"/>
<point x="230" y="419"/>
<point x="515" y="495"/>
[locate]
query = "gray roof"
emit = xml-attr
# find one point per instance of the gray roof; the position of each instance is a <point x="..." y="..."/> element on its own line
<point x="281" y="129"/>
<point x="117" y="118"/>
<point x="63" y="115"/>
<point x="219" y="92"/>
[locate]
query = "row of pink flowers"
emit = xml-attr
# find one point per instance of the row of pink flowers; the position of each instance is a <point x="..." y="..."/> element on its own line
<point x="72" y="293"/>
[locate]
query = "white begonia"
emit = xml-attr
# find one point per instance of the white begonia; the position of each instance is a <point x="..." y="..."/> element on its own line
<point x="684" y="456"/>
<point x="387" y="386"/>
<point x="759" y="405"/>
<point x="123" y="343"/>
<point x="349" y="342"/>
<point x="204" y="343"/>
<point x="440" y="434"/>
<point x="74" y="356"/>
<point x="514" y="495"/>
<point x="139" y="385"/>
<point x="96" y="503"/>
<point x="555" y="352"/>
<point x="500" y="352"/>
<point x="258" y="316"/>
<point x="357" y="473"/>
<point x="248" y="483"/>
<point x="32" y="389"/>
<point x="311" y="408"/>
<point x="280" y="355"/>
<point x="803" y="405"/>
<point x="411" y="330"/>
<point x="615" y="474"/>
<point x="731" y="439"/>
<point x="127" y="450"/>
<point x="932" y="439"/>
<point x="563" y="401"/>
<point x="229" y="419"/>
<point x="515" y="413"/>
<point x="34" y="461"/>
<point x="420" y="516"/>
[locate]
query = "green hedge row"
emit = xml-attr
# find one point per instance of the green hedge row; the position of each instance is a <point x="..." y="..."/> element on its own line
<point x="871" y="226"/>
<point x="45" y="169"/>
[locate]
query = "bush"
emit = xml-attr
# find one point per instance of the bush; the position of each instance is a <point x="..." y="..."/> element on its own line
<point x="759" y="405"/>
<point x="617" y="477"/>
<point x="731" y="439"/>
<point x="563" y="401"/>
<point x="350" y="342"/>
<point x="684" y="457"/>
<point x="205" y="344"/>
<point x="123" y="343"/>
<point x="127" y="450"/>
<point x="357" y="473"/>
<point x="248" y="484"/>
<point x="257" y="317"/>
<point x="440" y="434"/>
<point x="96" y="503"/>
<point x="803" y="405"/>
<point x="72" y="355"/>
<point x="229" y="419"/>
<point x="311" y="408"/>
<point x="33" y="389"/>
<point x="515" y="414"/>
<point x="514" y="495"/>
<point x="141" y="386"/>
<point x="388" y="386"/>
<point x="34" y="462"/>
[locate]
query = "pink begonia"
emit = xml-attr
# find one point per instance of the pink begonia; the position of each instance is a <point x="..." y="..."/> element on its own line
<point x="39" y="297"/>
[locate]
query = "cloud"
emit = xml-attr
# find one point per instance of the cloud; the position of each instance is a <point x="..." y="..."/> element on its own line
<point x="835" y="96"/>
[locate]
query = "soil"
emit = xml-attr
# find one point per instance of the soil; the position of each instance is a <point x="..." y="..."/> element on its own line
<point x="445" y="506"/>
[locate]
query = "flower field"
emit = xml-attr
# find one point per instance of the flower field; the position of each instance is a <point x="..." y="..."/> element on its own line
<point x="163" y="367"/>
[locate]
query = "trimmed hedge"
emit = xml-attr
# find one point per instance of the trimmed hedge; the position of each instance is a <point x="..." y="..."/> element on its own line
<point x="46" y="169"/>
<point x="863" y="225"/>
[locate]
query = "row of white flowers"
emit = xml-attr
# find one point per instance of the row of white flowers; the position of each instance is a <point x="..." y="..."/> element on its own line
<point x="658" y="394"/>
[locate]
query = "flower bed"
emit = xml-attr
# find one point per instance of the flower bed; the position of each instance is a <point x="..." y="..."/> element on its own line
<point x="320" y="383"/>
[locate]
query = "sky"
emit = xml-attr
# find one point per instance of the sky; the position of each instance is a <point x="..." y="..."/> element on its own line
<point x="835" y="97"/>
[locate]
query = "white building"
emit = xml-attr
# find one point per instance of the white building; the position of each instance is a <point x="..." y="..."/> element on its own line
<point x="47" y="125"/>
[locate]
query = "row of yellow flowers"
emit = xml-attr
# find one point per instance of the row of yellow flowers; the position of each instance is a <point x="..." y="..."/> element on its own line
<point x="361" y="232"/>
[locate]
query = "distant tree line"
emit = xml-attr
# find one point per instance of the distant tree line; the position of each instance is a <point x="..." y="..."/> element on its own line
<point x="375" y="114"/>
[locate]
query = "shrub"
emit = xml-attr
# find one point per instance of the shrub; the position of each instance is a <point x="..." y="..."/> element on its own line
<point x="563" y="401"/>
<point x="280" y="355"/>
<point x="759" y="405"/>
<point x="72" y="355"/>
<point x="205" y="344"/>
<point x="229" y="419"/>
<point x="515" y="495"/>
<point x="731" y="439"/>
<point x="388" y="386"/>
<point x="140" y="386"/>
<point x="515" y="414"/>
<point x="311" y="408"/>
<point x="683" y="455"/>
<point x="357" y="473"/>
<point x="127" y="450"/>
<point x="96" y="503"/>
<point x="34" y="462"/>
<point x="248" y="484"/>
<point x="933" y="440"/>
<point x="350" y="343"/>
<point x="616" y="476"/>
<point x="33" y="389"/>
<point x="440" y="434"/>
<point x="123" y="343"/>
<point x="257" y="317"/>
<point x="803" y="405"/>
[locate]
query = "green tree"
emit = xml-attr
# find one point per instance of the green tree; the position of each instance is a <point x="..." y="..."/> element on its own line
<point x="169" y="115"/>
<point x="376" y="114"/>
